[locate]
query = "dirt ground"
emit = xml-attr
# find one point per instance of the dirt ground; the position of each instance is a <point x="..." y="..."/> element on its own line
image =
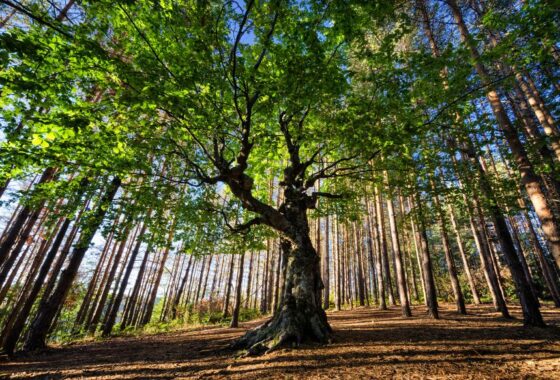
<point x="368" y="344"/>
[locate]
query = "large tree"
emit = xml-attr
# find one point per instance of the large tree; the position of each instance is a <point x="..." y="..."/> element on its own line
<point x="228" y="95"/>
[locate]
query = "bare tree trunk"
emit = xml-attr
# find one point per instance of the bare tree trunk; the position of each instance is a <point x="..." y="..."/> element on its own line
<point x="399" y="268"/>
<point x="227" y="296"/>
<point x="458" y="295"/>
<point x="237" y="302"/>
<point x="249" y="278"/>
<point x="326" y="261"/>
<point x="409" y="249"/>
<point x="472" y="285"/>
<point x="383" y="248"/>
<point x="430" y="286"/>
<point x="528" y="176"/>
<point x="378" y="261"/>
<point x="337" y="266"/>
<point x="47" y="311"/>
<point x="116" y="303"/>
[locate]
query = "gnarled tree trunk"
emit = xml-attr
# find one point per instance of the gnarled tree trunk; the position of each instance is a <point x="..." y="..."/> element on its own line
<point x="301" y="316"/>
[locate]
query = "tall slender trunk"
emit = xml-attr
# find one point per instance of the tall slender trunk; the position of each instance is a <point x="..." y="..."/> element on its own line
<point x="16" y="321"/>
<point x="408" y="248"/>
<point x="529" y="179"/>
<point x="227" y="296"/>
<point x="249" y="277"/>
<point x="151" y="301"/>
<point x="17" y="234"/>
<point x="451" y="269"/>
<point x="237" y="302"/>
<point x="94" y="315"/>
<point x="426" y="261"/>
<point x="478" y="224"/>
<point x="111" y="317"/>
<point x="399" y="268"/>
<point x="378" y="263"/>
<point x="337" y="269"/>
<point x="461" y="246"/>
<point x="383" y="248"/>
<point x="48" y="310"/>
<point x="181" y="290"/>
<point x="326" y="261"/>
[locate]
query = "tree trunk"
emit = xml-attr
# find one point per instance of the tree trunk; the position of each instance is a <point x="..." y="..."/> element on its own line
<point x="383" y="248"/>
<point x="18" y="319"/>
<point x="17" y="234"/>
<point x="399" y="268"/>
<point x="301" y="316"/>
<point x="451" y="269"/>
<point x="528" y="177"/>
<point x="48" y="310"/>
<point x="408" y="248"/>
<point x="115" y="305"/>
<point x="249" y="278"/>
<point x="337" y="269"/>
<point x="227" y="296"/>
<point x="151" y="301"/>
<point x="472" y="285"/>
<point x="426" y="261"/>
<point x="326" y="272"/>
<point x="237" y="302"/>
<point x="378" y="264"/>
<point x="181" y="290"/>
<point x="93" y="317"/>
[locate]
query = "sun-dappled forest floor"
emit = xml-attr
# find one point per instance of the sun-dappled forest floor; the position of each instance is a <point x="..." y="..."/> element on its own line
<point x="368" y="344"/>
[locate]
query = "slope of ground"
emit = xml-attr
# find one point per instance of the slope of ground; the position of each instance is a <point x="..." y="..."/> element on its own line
<point x="368" y="344"/>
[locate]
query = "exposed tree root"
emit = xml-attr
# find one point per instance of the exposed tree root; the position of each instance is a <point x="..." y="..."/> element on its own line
<point x="290" y="327"/>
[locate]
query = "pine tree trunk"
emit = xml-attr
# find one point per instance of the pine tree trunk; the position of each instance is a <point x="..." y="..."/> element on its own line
<point x="111" y="317"/>
<point x="371" y="252"/>
<point x="326" y="261"/>
<point x="451" y="269"/>
<point x="16" y="322"/>
<point x="181" y="290"/>
<point x="17" y="235"/>
<point x="227" y="296"/>
<point x="528" y="177"/>
<point x="378" y="263"/>
<point x="399" y="267"/>
<point x="98" y="304"/>
<point x="150" y="304"/>
<point x="237" y="302"/>
<point x="409" y="248"/>
<point x="249" y="278"/>
<point x="383" y="248"/>
<point x="470" y="279"/>
<point x="337" y="269"/>
<point x="426" y="262"/>
<point x="48" y="310"/>
<point x="476" y="223"/>
<point x="133" y="299"/>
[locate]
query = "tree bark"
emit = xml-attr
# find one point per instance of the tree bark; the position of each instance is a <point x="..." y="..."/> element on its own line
<point x="455" y="285"/>
<point x="528" y="177"/>
<point x="115" y="305"/>
<point x="301" y="316"/>
<point x="426" y="261"/>
<point x="383" y="248"/>
<point x="237" y="302"/>
<point x="459" y="239"/>
<point x="399" y="268"/>
<point x="48" y="310"/>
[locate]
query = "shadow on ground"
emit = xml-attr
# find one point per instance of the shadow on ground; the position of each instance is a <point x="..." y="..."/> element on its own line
<point x="368" y="344"/>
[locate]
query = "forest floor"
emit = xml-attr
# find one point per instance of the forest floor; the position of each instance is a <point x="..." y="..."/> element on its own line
<point x="368" y="344"/>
